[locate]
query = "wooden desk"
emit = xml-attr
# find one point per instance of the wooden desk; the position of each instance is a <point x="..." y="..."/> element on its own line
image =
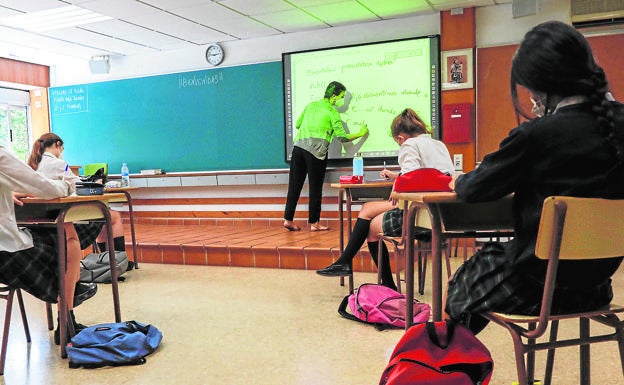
<point x="449" y="218"/>
<point x="126" y="192"/>
<point x="57" y="212"/>
<point x="357" y="193"/>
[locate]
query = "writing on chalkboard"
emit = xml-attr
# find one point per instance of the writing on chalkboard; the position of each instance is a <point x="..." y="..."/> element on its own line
<point x="69" y="100"/>
<point x="208" y="79"/>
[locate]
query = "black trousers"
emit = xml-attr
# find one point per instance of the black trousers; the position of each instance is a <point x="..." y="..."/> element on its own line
<point x="302" y="164"/>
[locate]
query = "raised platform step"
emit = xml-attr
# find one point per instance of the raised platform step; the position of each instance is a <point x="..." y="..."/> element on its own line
<point x="241" y="243"/>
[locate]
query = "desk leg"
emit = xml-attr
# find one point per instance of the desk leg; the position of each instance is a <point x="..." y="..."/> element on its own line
<point x="341" y="222"/>
<point x="408" y="221"/>
<point x="131" y="214"/>
<point x="349" y="203"/>
<point x="63" y="311"/>
<point x="436" y="263"/>
<point x="112" y="261"/>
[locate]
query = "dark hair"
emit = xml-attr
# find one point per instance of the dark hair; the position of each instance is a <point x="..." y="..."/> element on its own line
<point x="554" y="58"/>
<point x="334" y="88"/>
<point x="408" y="122"/>
<point x="44" y="142"/>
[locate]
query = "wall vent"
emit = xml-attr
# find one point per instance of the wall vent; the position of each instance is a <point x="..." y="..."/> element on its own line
<point x="592" y="13"/>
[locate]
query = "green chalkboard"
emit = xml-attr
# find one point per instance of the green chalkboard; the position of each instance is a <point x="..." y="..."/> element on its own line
<point x="220" y="119"/>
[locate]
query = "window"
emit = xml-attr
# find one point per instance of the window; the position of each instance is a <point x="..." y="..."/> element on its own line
<point x="15" y="122"/>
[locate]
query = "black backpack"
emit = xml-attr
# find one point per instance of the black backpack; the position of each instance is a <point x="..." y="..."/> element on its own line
<point x="96" y="267"/>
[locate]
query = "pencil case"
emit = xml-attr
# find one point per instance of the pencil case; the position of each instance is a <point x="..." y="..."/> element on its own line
<point x="351" y="179"/>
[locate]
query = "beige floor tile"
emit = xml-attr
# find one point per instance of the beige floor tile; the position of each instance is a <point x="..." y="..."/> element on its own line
<point x="225" y="325"/>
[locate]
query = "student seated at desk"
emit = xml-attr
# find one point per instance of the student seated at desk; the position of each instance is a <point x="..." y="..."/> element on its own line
<point x="418" y="150"/>
<point x="45" y="157"/>
<point x="575" y="147"/>
<point x="28" y="257"/>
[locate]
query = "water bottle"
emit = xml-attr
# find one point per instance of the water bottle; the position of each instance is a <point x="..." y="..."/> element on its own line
<point x="125" y="175"/>
<point x="358" y="165"/>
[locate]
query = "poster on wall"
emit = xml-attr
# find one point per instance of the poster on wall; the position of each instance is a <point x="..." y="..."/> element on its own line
<point x="456" y="69"/>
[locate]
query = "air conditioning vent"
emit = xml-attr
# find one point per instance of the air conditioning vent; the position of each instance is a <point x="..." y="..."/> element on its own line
<point x="590" y="13"/>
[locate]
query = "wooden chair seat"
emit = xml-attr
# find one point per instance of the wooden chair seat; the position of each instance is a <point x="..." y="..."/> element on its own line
<point x="570" y="228"/>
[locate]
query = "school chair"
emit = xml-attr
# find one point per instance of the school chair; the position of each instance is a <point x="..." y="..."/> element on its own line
<point x="570" y="229"/>
<point x="7" y="294"/>
<point x="422" y="248"/>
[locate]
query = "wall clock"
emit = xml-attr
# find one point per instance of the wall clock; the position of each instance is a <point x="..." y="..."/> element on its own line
<point x="214" y="54"/>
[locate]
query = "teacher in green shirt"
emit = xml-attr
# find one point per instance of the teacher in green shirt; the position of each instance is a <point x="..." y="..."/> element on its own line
<point x="319" y="123"/>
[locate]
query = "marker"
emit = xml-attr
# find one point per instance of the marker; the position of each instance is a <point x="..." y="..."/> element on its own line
<point x="67" y="167"/>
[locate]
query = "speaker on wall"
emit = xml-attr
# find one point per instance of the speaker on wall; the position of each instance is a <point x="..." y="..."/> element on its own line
<point x="99" y="64"/>
<point x="521" y="8"/>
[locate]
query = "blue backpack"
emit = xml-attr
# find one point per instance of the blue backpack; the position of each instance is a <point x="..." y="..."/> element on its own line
<point x="113" y="344"/>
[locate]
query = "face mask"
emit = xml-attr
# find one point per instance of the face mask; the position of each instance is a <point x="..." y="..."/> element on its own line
<point x="339" y="102"/>
<point x="538" y="108"/>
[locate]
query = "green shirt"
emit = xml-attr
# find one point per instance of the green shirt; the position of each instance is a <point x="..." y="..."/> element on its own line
<point x="319" y="123"/>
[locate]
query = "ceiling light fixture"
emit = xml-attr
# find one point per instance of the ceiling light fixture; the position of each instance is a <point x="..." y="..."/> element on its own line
<point x="51" y="19"/>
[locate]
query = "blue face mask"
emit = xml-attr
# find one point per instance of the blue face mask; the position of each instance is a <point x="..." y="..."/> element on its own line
<point x="339" y="102"/>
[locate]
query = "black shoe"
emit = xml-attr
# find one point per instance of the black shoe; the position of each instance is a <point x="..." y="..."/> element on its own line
<point x="336" y="270"/>
<point x="83" y="292"/>
<point x="77" y="328"/>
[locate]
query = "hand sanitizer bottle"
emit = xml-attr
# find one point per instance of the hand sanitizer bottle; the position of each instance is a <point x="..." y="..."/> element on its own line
<point x="125" y="175"/>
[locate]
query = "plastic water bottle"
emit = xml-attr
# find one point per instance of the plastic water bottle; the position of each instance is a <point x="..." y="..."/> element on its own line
<point x="125" y="175"/>
<point x="358" y="165"/>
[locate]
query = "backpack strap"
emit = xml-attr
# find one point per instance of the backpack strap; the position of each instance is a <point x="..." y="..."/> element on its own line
<point x="433" y="334"/>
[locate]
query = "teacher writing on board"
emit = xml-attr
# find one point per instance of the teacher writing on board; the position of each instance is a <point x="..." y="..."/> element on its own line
<point x="319" y="123"/>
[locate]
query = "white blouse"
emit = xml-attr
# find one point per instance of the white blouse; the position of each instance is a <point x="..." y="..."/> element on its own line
<point x="17" y="176"/>
<point x="423" y="151"/>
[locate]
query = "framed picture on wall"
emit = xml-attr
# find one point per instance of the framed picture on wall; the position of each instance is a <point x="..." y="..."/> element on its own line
<point x="456" y="69"/>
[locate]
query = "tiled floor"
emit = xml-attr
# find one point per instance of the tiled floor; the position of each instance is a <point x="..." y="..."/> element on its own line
<point x="245" y="325"/>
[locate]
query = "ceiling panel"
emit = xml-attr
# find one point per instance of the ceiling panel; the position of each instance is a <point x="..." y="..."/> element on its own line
<point x="160" y="25"/>
<point x="341" y="13"/>
<point x="291" y="21"/>
<point x="257" y="7"/>
<point x="119" y="8"/>
<point x="389" y="9"/>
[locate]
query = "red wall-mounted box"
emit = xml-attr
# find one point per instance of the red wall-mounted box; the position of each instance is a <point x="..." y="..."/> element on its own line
<point x="457" y="123"/>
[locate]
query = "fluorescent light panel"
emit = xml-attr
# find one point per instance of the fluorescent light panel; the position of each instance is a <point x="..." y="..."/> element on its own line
<point x="51" y="19"/>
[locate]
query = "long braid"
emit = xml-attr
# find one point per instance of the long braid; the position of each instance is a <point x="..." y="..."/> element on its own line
<point x="603" y="109"/>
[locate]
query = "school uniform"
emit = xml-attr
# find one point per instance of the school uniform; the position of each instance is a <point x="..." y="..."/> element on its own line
<point x="421" y="151"/>
<point x="28" y="257"/>
<point x="54" y="168"/>
<point x="559" y="154"/>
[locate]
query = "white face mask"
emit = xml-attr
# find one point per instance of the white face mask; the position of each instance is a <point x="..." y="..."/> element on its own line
<point x="339" y="102"/>
<point x="538" y="108"/>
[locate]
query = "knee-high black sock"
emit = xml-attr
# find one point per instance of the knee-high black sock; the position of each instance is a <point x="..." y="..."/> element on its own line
<point x="101" y="246"/>
<point x="119" y="243"/>
<point x="386" y="272"/>
<point x="356" y="240"/>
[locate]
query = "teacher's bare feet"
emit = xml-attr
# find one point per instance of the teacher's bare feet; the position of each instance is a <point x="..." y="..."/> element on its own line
<point x="318" y="227"/>
<point x="290" y="226"/>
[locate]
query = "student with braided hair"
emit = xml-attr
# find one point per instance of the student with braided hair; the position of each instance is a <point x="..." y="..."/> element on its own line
<point x="576" y="148"/>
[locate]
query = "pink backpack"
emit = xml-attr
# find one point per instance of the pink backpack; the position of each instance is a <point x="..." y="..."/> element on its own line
<point x="381" y="306"/>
